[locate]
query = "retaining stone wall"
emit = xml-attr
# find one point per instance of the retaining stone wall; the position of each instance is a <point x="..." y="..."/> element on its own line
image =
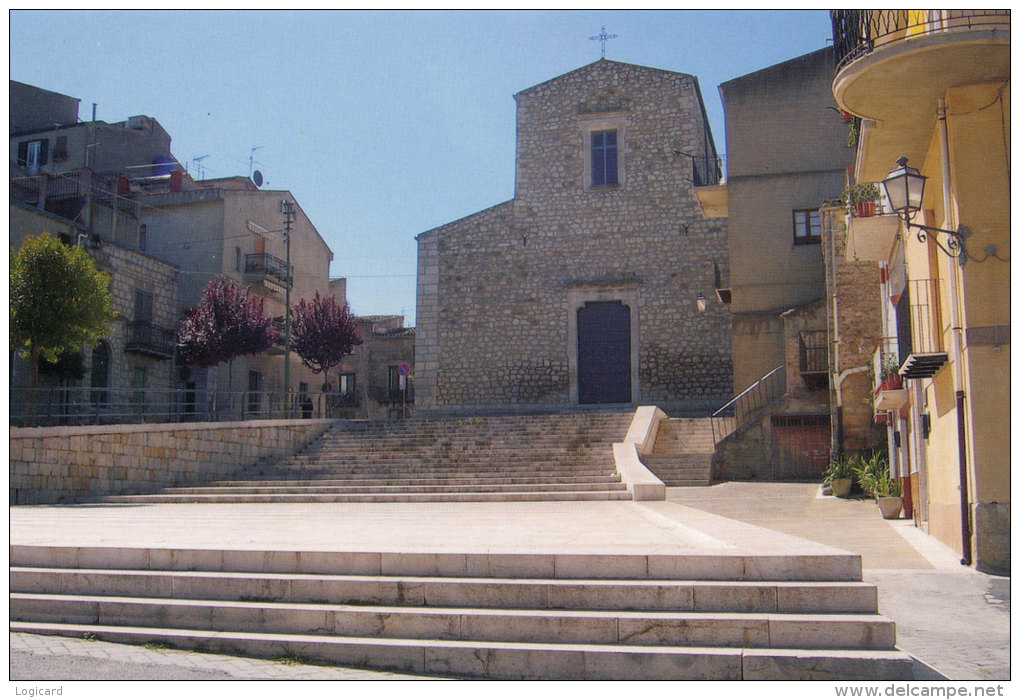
<point x="66" y="464"/>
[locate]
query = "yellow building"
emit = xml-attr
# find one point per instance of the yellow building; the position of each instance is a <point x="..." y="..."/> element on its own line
<point x="933" y="86"/>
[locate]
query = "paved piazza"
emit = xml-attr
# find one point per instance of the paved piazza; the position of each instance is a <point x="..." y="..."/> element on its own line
<point x="952" y="619"/>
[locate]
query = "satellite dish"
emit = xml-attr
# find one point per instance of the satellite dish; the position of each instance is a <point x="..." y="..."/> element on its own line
<point x="257" y="178"/>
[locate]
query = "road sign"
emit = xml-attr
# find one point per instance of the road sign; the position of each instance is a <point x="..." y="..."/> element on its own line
<point x="404" y="370"/>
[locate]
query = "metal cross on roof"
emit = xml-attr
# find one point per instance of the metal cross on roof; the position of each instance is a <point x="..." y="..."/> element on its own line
<point x="603" y="37"/>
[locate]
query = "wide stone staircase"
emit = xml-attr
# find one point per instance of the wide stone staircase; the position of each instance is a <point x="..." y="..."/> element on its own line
<point x="504" y="458"/>
<point x="683" y="451"/>
<point x="485" y="615"/>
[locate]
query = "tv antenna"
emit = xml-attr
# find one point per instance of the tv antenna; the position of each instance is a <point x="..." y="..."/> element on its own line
<point x="199" y="169"/>
<point x="252" y="161"/>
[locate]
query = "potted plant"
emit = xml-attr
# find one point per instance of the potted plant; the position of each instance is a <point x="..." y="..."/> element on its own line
<point x="890" y="394"/>
<point x="861" y="198"/>
<point x="890" y="377"/>
<point x="873" y="476"/>
<point x="840" y="475"/>
<point x="890" y="499"/>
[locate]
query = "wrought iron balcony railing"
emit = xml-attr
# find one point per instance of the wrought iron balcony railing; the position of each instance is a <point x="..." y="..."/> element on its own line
<point x="146" y="338"/>
<point x="919" y="329"/>
<point x="267" y="265"/>
<point x="856" y="33"/>
<point x="814" y="352"/>
<point x="706" y="171"/>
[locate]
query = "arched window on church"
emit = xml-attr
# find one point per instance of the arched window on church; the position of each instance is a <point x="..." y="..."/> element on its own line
<point x="100" y="373"/>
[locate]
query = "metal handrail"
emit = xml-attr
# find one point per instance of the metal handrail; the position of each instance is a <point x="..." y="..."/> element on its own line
<point x="51" y="406"/>
<point x="750" y="401"/>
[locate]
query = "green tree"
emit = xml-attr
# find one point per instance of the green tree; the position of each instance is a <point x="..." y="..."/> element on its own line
<point x="60" y="300"/>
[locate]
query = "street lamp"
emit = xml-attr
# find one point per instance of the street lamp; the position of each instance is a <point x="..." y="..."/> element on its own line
<point x="904" y="188"/>
<point x="702" y="302"/>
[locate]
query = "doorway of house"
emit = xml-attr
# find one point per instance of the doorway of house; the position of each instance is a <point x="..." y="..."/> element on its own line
<point x="603" y="353"/>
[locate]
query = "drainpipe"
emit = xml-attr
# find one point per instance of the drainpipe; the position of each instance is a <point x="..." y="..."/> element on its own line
<point x="949" y="222"/>
<point x="836" y="381"/>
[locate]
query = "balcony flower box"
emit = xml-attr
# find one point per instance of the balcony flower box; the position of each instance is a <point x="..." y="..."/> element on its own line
<point x="864" y="209"/>
<point x="861" y="199"/>
<point x="891" y="382"/>
<point x="890" y="399"/>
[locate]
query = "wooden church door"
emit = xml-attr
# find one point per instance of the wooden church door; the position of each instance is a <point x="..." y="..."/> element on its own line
<point x="603" y="353"/>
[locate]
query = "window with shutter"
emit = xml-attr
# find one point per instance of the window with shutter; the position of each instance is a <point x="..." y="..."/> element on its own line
<point x="60" y="149"/>
<point x="143" y="305"/>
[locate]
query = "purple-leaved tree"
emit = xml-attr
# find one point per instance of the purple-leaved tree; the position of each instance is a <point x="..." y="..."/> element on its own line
<point x="228" y="322"/>
<point x="322" y="332"/>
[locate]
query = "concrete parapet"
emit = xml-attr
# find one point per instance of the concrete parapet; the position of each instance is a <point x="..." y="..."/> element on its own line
<point x="641" y="482"/>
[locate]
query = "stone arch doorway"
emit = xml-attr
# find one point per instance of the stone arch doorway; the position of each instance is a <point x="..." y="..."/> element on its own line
<point x="603" y="353"/>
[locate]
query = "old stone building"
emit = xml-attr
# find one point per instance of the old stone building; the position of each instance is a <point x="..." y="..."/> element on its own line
<point x="369" y="380"/>
<point x="583" y="289"/>
<point x="66" y="180"/>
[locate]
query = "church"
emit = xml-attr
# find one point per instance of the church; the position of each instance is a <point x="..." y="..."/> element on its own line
<point x="595" y="285"/>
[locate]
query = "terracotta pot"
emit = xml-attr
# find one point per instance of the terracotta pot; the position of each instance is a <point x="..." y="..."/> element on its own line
<point x="864" y="209"/>
<point x="892" y="382"/>
<point x="841" y="487"/>
<point x="890" y="506"/>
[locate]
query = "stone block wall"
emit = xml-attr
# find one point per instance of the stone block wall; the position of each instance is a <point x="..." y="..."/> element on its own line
<point x="856" y="317"/>
<point x="497" y="290"/>
<point x="132" y="271"/>
<point x="67" y="464"/>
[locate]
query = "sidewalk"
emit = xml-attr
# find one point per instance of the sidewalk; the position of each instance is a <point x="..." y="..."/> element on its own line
<point x="951" y="618"/>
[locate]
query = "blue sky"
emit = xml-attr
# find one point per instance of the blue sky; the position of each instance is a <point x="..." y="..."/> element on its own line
<point x="383" y="124"/>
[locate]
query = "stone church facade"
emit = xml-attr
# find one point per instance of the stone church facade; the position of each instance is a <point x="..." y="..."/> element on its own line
<point x="582" y="290"/>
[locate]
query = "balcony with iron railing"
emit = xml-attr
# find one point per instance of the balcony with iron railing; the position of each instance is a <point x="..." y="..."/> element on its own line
<point x="706" y="170"/>
<point x="268" y="271"/>
<point x="856" y="33"/>
<point x="919" y="329"/>
<point x="893" y="65"/>
<point x="707" y="176"/>
<point x="814" y="352"/>
<point x="146" y="338"/>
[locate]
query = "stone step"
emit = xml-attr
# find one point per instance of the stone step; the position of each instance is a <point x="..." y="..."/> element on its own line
<point x="441" y="487"/>
<point x="708" y="629"/>
<point x="682" y="469"/>
<point x="417" y="475"/>
<point x="438" y="464"/>
<point x="535" y="593"/>
<point x="600" y="494"/>
<point x="505" y="660"/>
<point x="638" y="567"/>
<point x="313" y="482"/>
<point x="484" y="614"/>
